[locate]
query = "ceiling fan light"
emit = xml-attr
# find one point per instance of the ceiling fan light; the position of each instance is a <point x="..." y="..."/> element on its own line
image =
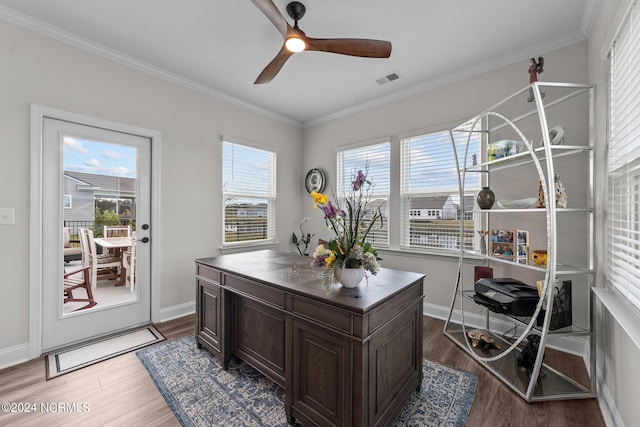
<point x="294" y="44"/>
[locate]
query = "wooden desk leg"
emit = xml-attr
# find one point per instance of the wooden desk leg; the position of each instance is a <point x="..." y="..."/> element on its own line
<point x="290" y="419"/>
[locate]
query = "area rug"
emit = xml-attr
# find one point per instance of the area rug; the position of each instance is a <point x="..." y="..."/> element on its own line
<point x="201" y="393"/>
<point x="72" y="359"/>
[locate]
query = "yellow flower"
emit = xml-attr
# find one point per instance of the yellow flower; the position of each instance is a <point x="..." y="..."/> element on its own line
<point x="319" y="198"/>
<point x="329" y="260"/>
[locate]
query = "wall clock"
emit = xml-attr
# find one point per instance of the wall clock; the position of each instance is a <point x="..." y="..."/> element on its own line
<point x="314" y="181"/>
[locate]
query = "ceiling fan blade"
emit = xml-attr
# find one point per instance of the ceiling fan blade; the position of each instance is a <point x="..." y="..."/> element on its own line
<point x="367" y="48"/>
<point x="271" y="11"/>
<point x="274" y="66"/>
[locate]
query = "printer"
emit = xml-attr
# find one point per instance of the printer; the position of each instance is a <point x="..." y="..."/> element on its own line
<point x="506" y="295"/>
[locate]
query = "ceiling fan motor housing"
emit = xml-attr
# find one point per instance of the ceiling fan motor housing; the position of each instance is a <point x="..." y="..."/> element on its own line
<point x="296" y="10"/>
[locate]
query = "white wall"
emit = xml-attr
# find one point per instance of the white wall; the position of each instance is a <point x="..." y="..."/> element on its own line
<point x="618" y="372"/>
<point x="36" y="69"/>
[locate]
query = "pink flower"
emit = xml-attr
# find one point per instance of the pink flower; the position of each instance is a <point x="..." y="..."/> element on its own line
<point x="360" y="180"/>
<point x="331" y="211"/>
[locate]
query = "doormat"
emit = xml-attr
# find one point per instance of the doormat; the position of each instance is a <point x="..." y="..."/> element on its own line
<point x="201" y="393"/>
<point x="71" y="359"/>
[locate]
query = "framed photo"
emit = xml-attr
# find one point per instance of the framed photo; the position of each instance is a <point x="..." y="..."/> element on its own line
<point x="510" y="244"/>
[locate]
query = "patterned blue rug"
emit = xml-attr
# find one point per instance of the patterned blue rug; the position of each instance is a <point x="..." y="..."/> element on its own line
<point x="201" y="393"/>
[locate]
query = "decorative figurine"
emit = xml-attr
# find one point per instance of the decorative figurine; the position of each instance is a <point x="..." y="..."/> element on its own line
<point x="540" y="195"/>
<point x="483" y="243"/>
<point x="561" y="193"/>
<point x="527" y="358"/>
<point x="535" y="68"/>
<point x="303" y="242"/>
<point x="482" y="339"/>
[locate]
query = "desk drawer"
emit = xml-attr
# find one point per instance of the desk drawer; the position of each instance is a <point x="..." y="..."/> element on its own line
<point x="322" y="313"/>
<point x="255" y="290"/>
<point x="208" y="272"/>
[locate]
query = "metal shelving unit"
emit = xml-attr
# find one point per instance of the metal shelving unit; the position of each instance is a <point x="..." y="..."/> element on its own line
<point x="566" y="233"/>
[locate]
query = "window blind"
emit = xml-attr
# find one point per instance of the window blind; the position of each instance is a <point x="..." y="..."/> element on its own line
<point x="623" y="199"/>
<point x="374" y="161"/>
<point x="249" y="193"/>
<point x="431" y="205"/>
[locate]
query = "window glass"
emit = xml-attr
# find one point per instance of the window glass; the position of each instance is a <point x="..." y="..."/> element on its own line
<point x="623" y="204"/>
<point x="431" y="205"/>
<point x="249" y="192"/>
<point x="374" y="161"/>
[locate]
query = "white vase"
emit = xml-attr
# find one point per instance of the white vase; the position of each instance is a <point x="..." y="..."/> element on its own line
<point x="351" y="277"/>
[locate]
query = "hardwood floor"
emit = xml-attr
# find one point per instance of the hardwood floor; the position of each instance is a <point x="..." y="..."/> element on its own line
<point x="496" y="405"/>
<point x="119" y="392"/>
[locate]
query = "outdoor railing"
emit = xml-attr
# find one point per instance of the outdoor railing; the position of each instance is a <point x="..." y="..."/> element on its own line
<point x="73" y="228"/>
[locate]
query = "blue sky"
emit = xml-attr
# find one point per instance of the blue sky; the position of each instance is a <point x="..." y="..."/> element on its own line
<point x="82" y="155"/>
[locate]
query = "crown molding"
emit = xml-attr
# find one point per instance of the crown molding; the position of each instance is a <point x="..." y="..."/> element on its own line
<point x="590" y="10"/>
<point x="480" y="68"/>
<point x="66" y="37"/>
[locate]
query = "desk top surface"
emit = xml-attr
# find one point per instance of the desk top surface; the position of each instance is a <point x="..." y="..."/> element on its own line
<point x="293" y="273"/>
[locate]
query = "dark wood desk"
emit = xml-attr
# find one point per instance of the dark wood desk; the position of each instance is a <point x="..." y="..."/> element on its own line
<point x="348" y="357"/>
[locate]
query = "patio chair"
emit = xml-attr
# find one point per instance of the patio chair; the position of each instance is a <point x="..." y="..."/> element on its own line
<point x="116" y="231"/>
<point x="103" y="262"/>
<point x="71" y="281"/>
<point x="71" y="252"/>
<point x="129" y="263"/>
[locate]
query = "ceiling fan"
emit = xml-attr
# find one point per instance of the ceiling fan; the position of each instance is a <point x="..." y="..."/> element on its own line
<point x="295" y="40"/>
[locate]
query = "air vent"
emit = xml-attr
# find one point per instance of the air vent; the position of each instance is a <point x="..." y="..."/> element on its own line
<point x="388" y="78"/>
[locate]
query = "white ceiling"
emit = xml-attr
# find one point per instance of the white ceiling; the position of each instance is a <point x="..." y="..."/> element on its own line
<point x="220" y="46"/>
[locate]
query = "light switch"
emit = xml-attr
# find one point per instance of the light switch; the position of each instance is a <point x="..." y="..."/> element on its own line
<point x="7" y="216"/>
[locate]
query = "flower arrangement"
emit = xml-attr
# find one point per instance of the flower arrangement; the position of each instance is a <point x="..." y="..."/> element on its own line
<point x="351" y="226"/>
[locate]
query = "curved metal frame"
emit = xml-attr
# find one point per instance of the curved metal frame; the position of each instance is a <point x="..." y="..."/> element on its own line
<point x="550" y="210"/>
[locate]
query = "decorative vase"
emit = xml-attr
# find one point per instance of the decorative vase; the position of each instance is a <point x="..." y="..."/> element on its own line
<point x="351" y="277"/>
<point x="486" y="198"/>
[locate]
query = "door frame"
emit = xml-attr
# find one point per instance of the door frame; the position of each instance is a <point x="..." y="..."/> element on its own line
<point x="38" y="113"/>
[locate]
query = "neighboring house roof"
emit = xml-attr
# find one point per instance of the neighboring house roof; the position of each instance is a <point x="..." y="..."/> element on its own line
<point x="435" y="202"/>
<point x="104" y="182"/>
<point x="468" y="203"/>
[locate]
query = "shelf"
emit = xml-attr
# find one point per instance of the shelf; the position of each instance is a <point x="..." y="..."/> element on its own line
<point x="536" y="210"/>
<point x="517" y="119"/>
<point x="525" y="157"/>
<point x="561" y="269"/>
<point x="550" y="385"/>
<point x="571" y="330"/>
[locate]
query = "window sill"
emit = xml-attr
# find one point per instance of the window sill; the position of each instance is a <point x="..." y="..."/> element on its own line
<point x="416" y="253"/>
<point x="621" y="312"/>
<point x="250" y="246"/>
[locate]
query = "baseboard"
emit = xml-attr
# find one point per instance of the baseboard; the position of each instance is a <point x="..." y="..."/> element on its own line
<point x="176" y="311"/>
<point x="572" y="345"/>
<point x="607" y="403"/>
<point x="14" y="355"/>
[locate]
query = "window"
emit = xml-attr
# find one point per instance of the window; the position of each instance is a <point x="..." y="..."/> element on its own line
<point x="249" y="193"/>
<point x="375" y="158"/>
<point x="623" y="204"/>
<point x="431" y="205"/>
<point x="66" y="201"/>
